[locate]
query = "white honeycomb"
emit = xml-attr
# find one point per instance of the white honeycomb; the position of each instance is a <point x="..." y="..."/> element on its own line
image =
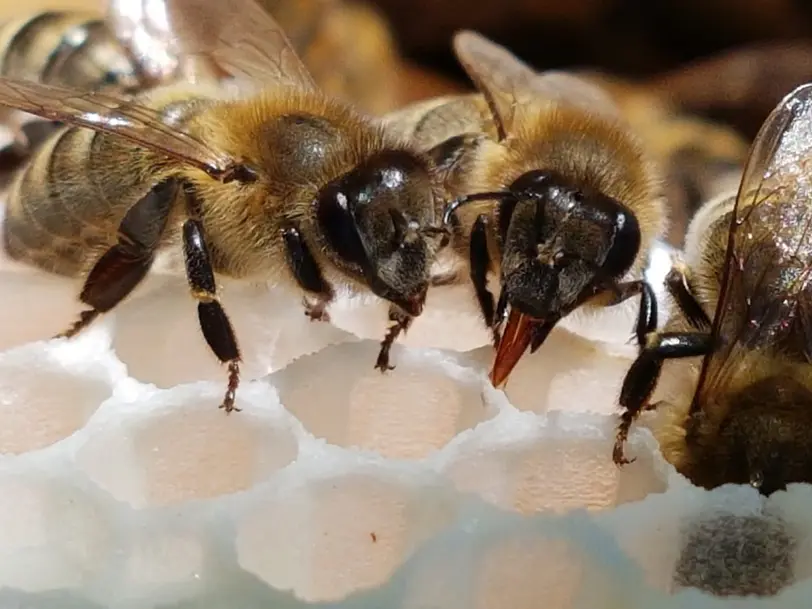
<point x="122" y="485"/>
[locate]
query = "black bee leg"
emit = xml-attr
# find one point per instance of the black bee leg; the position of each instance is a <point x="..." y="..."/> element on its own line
<point x="307" y="274"/>
<point x="679" y="285"/>
<point x="642" y="377"/>
<point x="620" y="292"/>
<point x="480" y="262"/>
<point x="401" y="323"/>
<point x="214" y="322"/>
<point x="647" y="314"/>
<point x="122" y="267"/>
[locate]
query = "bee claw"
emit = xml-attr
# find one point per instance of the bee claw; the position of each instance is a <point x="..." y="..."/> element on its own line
<point x="231" y="393"/>
<point x="618" y="452"/>
<point x="85" y="319"/>
<point x="620" y="458"/>
<point x="382" y="363"/>
<point x="316" y="311"/>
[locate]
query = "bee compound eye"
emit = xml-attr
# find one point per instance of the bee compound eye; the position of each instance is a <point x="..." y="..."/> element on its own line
<point x="336" y="218"/>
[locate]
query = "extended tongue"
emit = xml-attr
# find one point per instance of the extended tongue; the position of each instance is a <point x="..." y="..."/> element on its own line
<point x="516" y="338"/>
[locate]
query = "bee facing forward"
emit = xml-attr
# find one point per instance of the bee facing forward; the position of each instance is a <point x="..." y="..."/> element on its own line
<point x="747" y="417"/>
<point x="556" y="195"/>
<point x="283" y="183"/>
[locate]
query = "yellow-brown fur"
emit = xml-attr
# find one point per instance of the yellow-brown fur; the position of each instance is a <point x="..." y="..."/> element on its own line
<point x="705" y="246"/>
<point x="774" y="377"/>
<point x="701" y="159"/>
<point x="592" y="149"/>
<point x="243" y="221"/>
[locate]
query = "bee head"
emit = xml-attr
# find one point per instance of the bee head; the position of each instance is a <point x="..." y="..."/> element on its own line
<point x="378" y="224"/>
<point x="562" y="243"/>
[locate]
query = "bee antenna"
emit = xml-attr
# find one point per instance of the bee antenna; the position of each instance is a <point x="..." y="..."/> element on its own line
<point x="454" y="205"/>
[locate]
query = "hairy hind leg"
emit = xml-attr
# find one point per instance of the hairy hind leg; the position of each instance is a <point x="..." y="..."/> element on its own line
<point x="122" y="267"/>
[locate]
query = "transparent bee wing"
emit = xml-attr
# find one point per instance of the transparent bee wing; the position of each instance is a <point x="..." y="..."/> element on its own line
<point x="765" y="296"/>
<point x="190" y="39"/>
<point x="240" y="38"/>
<point x="509" y="84"/>
<point x="109" y="114"/>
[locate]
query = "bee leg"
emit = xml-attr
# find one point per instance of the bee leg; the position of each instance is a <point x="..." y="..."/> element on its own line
<point x="679" y="285"/>
<point x="642" y="377"/>
<point x="401" y="324"/>
<point x="307" y="274"/>
<point x="122" y="267"/>
<point x="480" y="261"/>
<point x="315" y="309"/>
<point x="620" y="292"/>
<point x="214" y="322"/>
<point x="647" y="314"/>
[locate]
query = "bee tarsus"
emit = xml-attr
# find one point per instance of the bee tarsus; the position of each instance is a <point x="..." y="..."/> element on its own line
<point x="214" y="322"/>
<point x="401" y="323"/>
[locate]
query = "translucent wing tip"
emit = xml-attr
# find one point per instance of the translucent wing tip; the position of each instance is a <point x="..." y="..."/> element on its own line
<point x="466" y="42"/>
<point x="800" y="92"/>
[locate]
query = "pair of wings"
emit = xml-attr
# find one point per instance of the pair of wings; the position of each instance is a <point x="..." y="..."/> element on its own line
<point x="770" y="233"/>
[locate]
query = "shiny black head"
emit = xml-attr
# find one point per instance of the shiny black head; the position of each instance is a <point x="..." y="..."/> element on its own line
<point x="561" y="243"/>
<point x="764" y="440"/>
<point x="378" y="224"/>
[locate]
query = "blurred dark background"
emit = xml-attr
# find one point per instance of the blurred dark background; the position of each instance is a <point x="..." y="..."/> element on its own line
<point x="731" y="60"/>
<point x="633" y="37"/>
<point x="728" y="60"/>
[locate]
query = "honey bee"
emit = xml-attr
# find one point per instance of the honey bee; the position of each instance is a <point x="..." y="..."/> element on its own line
<point x="744" y="306"/>
<point x="284" y="183"/>
<point x="554" y="194"/>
